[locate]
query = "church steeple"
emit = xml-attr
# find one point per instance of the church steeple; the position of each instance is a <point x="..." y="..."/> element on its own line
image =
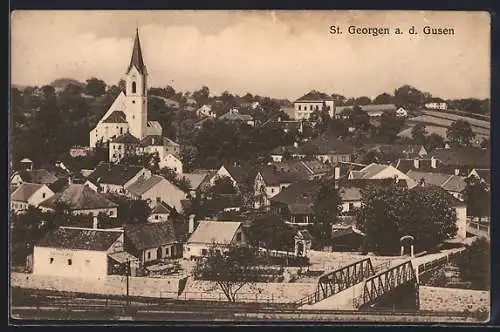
<point x="136" y="59"/>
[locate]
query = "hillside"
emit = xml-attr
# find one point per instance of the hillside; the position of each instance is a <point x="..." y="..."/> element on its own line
<point x="61" y="83"/>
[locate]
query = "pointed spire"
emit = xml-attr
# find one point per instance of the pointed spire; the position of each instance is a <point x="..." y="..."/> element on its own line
<point x="136" y="60"/>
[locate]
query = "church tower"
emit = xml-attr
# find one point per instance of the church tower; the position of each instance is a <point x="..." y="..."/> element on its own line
<point x="137" y="92"/>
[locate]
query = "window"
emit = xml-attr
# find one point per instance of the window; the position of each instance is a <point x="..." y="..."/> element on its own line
<point x="272" y="190"/>
<point x="299" y="107"/>
<point x="156" y="217"/>
<point x="167" y="252"/>
<point x="121" y="130"/>
<point x="70" y="262"/>
<point x="203" y="252"/>
<point x="51" y="260"/>
<point x="149" y="255"/>
<point x="134" y="87"/>
<point x="351" y="206"/>
<point x="311" y="107"/>
<point x="43" y="195"/>
<point x="238" y="237"/>
<point x="317" y="107"/>
<point x="133" y="101"/>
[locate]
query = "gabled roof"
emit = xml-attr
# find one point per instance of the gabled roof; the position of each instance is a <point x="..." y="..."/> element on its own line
<point x="484" y="173"/>
<point x="161" y="208"/>
<point x="79" y="197"/>
<point x="126" y="138"/>
<point x="41" y="176"/>
<point x="404" y="165"/>
<point x="315" y="96"/>
<point x="240" y="174"/>
<point x="272" y="177"/>
<point x="300" y="192"/>
<point x="24" y="192"/>
<point x="113" y="174"/>
<point x="303" y="169"/>
<point x="136" y="60"/>
<point x="463" y="156"/>
<point x="449" y="182"/>
<point x="154" y="124"/>
<point x="454" y="183"/>
<point x="116" y="117"/>
<point x="143" y="185"/>
<point x="428" y="189"/>
<point x="157" y="140"/>
<point x="236" y="116"/>
<point x="79" y="239"/>
<point x="195" y="179"/>
<point x="369" y="171"/>
<point x="221" y="232"/>
<point x="150" y="235"/>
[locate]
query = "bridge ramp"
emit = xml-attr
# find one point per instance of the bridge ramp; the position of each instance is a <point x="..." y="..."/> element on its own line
<point x="340" y="301"/>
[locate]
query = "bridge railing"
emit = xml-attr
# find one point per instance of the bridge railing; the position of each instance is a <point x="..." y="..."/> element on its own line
<point x="429" y="266"/>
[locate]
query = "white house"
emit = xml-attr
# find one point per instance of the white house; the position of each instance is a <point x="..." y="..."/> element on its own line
<point x="158" y="144"/>
<point x="29" y="194"/>
<point x="206" y="111"/>
<point x="208" y="233"/>
<point x="109" y="178"/>
<point x="156" y="188"/>
<point x="268" y="183"/>
<point x="377" y="171"/>
<point x="310" y="102"/>
<point x="172" y="161"/>
<point x="437" y="106"/>
<point x="76" y="252"/>
<point x="401" y="112"/>
<point x="160" y="213"/>
<point x="122" y="146"/>
<point x="129" y="110"/>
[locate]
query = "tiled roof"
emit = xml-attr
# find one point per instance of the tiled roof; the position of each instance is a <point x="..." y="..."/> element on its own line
<point x="454" y="183"/>
<point x="430" y="189"/>
<point x="368" y="108"/>
<point x="234" y="116"/>
<point x="126" y="138"/>
<point x="327" y="145"/>
<point x="195" y="179"/>
<point x="79" y="239"/>
<point x="143" y="185"/>
<point x="272" y="177"/>
<point x="431" y="178"/>
<point x="25" y="191"/>
<point x="41" y="176"/>
<point x="369" y="171"/>
<point x="157" y="140"/>
<point x="315" y="96"/>
<point x="161" y="208"/>
<point x="301" y="192"/>
<point x="208" y="231"/>
<point x="241" y="174"/>
<point x="303" y="169"/>
<point x="114" y="174"/>
<point x="79" y="197"/>
<point x="116" y="117"/>
<point x="463" y="156"/>
<point x="404" y="165"/>
<point x="154" y="124"/>
<point x="151" y="235"/>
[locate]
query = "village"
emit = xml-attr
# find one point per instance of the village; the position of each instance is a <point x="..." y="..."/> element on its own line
<point x="267" y="205"/>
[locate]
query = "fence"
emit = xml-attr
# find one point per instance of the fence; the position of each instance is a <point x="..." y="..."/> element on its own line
<point x="430" y="266"/>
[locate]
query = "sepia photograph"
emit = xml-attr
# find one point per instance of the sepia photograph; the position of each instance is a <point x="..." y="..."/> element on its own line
<point x="250" y="166"/>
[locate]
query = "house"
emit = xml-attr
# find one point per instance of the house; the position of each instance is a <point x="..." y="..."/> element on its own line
<point x="235" y="116"/>
<point x="109" y="178"/>
<point x="39" y="176"/>
<point x="342" y="169"/>
<point x="151" y="242"/>
<point x="459" y="207"/>
<point x="463" y="159"/>
<point x="328" y="149"/>
<point x="160" y="212"/>
<point x="311" y="102"/>
<point x="172" y="161"/>
<point x="268" y="183"/>
<point x="77" y="252"/>
<point x="129" y="110"/>
<point x="304" y="169"/>
<point x="80" y="199"/>
<point x="280" y="153"/>
<point x="483" y="174"/>
<point x="239" y="175"/>
<point x="436" y="106"/>
<point x="160" y="145"/>
<point x="29" y="194"/>
<point x="394" y="151"/>
<point x="453" y="184"/>
<point x="295" y="203"/>
<point x="210" y="233"/>
<point x="377" y="171"/>
<point x="123" y="146"/>
<point x="154" y="188"/>
<point x="197" y="181"/>
<point x="401" y="112"/>
<point x="79" y="151"/>
<point x="205" y="111"/>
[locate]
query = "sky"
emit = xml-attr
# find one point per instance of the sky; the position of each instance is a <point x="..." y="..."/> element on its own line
<point x="281" y="54"/>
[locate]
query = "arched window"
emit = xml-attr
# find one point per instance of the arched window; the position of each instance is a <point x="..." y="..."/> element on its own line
<point x="134" y="87"/>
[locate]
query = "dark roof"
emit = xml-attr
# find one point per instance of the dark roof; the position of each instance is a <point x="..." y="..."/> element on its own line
<point x="298" y="195"/>
<point x="116" y="117"/>
<point x="315" y="96"/>
<point x="404" y="165"/>
<point x="161" y="208"/>
<point x="241" y="174"/>
<point x="126" y="138"/>
<point x="327" y="145"/>
<point x="41" y="176"/>
<point x="153" y="235"/>
<point x="463" y="156"/>
<point x="113" y="174"/>
<point x="484" y="174"/>
<point x="79" y="197"/>
<point x="272" y="177"/>
<point x="25" y="191"/>
<point x="157" y="140"/>
<point x="79" y="239"/>
<point x="136" y="59"/>
<point x="303" y="169"/>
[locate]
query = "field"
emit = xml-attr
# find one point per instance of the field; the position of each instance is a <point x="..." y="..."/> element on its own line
<point x="474" y="122"/>
<point x="439" y="124"/>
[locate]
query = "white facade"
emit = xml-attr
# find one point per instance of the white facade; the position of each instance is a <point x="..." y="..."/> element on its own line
<point x="158" y="217"/>
<point x="172" y="162"/>
<point x="206" y="111"/>
<point x="221" y="173"/>
<point x="303" y="109"/>
<point x="437" y="106"/>
<point x="166" y="192"/>
<point x="118" y="151"/>
<point x="461" y="212"/>
<point x="35" y="199"/>
<point x="347" y="206"/>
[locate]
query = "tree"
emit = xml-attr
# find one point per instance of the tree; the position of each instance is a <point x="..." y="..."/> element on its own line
<point x="409" y="97"/>
<point x="122" y="84"/>
<point x="230" y="266"/>
<point x="131" y="211"/>
<point x="223" y="186"/>
<point x="48" y="91"/>
<point x="389" y="212"/>
<point x="460" y="133"/>
<point x="434" y="141"/>
<point x="418" y="133"/>
<point x="390" y="126"/>
<point x="327" y="207"/>
<point x="478" y="197"/>
<point x="383" y="98"/>
<point x="485" y="143"/>
<point x="202" y="96"/>
<point x="362" y="101"/>
<point x="271" y="232"/>
<point x="358" y="118"/>
<point x="474" y="264"/>
<point x="95" y="87"/>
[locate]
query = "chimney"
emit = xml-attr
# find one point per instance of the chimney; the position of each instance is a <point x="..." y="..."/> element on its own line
<point x="70" y="180"/>
<point x="191" y="223"/>
<point x="337" y="173"/>
<point x="416" y="163"/>
<point x="457" y="171"/>
<point x="95" y="222"/>
<point x="433" y="162"/>
<point x="296" y="144"/>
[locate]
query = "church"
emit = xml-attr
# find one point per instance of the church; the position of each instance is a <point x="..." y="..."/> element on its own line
<point x="128" y="113"/>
